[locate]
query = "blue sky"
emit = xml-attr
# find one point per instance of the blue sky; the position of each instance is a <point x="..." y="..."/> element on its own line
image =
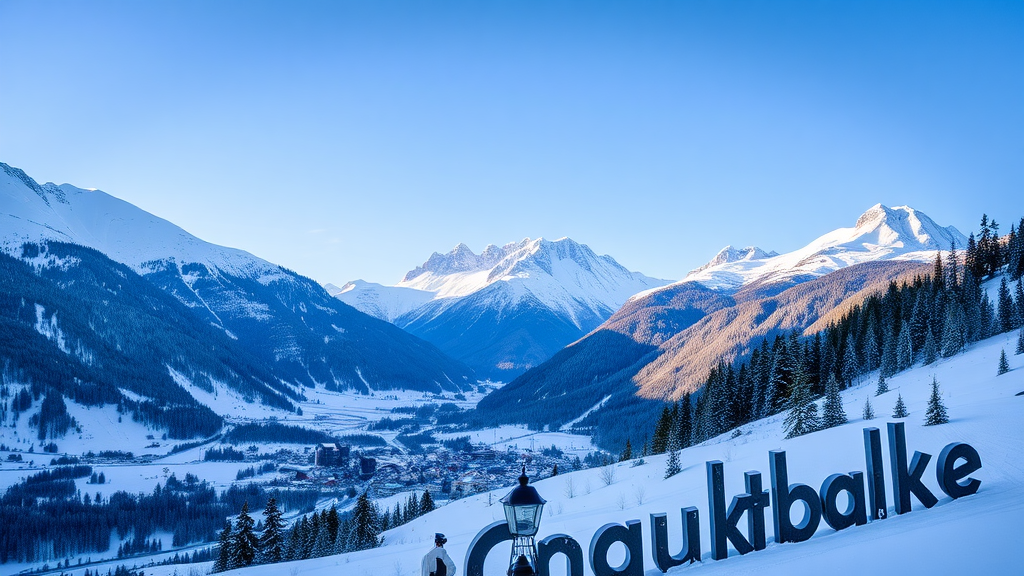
<point x="351" y="139"/>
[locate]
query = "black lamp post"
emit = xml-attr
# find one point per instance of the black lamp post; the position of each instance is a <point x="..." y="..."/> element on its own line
<point x="523" y="508"/>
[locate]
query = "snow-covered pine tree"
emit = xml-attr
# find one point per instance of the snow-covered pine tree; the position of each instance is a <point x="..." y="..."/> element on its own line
<point x="365" y="532"/>
<point x="323" y="546"/>
<point x="803" y="412"/>
<point x="869" y="411"/>
<point x="397" y="518"/>
<point x="672" y="465"/>
<point x="832" y="413"/>
<point x="343" y="543"/>
<point x="385" y="518"/>
<point x="851" y="365"/>
<point x="936" y="413"/>
<point x="954" y="336"/>
<point x="223" y="561"/>
<point x="882" y="386"/>
<point x="1020" y="342"/>
<point x="308" y="530"/>
<point x="294" y="550"/>
<point x="427" y="502"/>
<point x="904" y="349"/>
<point x="1004" y="366"/>
<point x="889" y="364"/>
<point x="413" y="507"/>
<point x="331" y="518"/>
<point x="244" y="544"/>
<point x="930" y="352"/>
<point x="272" y="540"/>
<point x="900" y="409"/>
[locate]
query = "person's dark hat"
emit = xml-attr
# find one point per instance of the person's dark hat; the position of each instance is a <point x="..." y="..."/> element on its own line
<point x="439" y="538"/>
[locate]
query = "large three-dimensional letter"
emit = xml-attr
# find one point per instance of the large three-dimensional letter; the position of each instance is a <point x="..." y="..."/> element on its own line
<point x="784" y="495"/>
<point x="949" y="475"/>
<point x="606" y="535"/>
<point x="907" y="480"/>
<point x="486" y="539"/>
<point x="723" y="520"/>
<point x="559" y="544"/>
<point x="876" y="475"/>
<point x="852" y="483"/>
<point x="664" y="559"/>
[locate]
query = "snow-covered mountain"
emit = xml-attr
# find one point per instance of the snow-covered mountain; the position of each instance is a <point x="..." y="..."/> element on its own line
<point x="881" y="233"/>
<point x="509" y="307"/>
<point x="282" y="319"/>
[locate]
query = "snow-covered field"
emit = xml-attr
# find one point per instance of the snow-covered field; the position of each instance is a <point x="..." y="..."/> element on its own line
<point x="977" y="534"/>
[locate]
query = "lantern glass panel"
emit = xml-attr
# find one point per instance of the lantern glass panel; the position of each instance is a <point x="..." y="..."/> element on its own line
<point x="523" y="519"/>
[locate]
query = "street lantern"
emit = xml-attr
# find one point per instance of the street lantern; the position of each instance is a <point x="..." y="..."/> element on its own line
<point x="523" y="508"/>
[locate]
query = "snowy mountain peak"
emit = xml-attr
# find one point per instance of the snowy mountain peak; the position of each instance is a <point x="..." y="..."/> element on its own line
<point x="880" y="233"/>
<point x="730" y="254"/>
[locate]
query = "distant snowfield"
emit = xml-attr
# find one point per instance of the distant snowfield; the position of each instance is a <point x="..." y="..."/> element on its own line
<point x="978" y="534"/>
<point x="521" y="437"/>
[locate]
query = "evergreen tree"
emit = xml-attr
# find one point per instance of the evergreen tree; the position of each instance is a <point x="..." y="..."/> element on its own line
<point x="672" y="466"/>
<point x="365" y="531"/>
<point x="223" y="562"/>
<point x="1020" y="340"/>
<point x="627" y="453"/>
<point x="1007" y="311"/>
<point x="1004" y="366"/>
<point x="554" y="469"/>
<point x="322" y="546"/>
<point x="295" y="538"/>
<point x="832" y="413"/>
<point x="954" y="337"/>
<point x="904" y="349"/>
<point x="659" y="442"/>
<point x="272" y="539"/>
<point x="930" y="352"/>
<point x="869" y="412"/>
<point x="427" y="502"/>
<point x="396" y="518"/>
<point x="851" y="366"/>
<point x="936" y="413"/>
<point x="889" y="361"/>
<point x="685" y="421"/>
<point x="1019" y="292"/>
<point x="803" y="412"/>
<point x="883" y="386"/>
<point x="245" y="544"/>
<point x="900" y="410"/>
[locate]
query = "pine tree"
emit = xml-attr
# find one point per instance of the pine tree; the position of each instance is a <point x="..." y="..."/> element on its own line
<point x="869" y="412"/>
<point x="1004" y="366"/>
<point x="936" y="413"/>
<point x="627" y="453"/>
<point x="365" y="532"/>
<point x="426" y="503"/>
<point x="223" y="562"/>
<point x="803" y="412"/>
<point x="323" y="545"/>
<point x="396" y="518"/>
<point x="883" y="386"/>
<point x="245" y="543"/>
<point x="659" y="442"/>
<point x="672" y="466"/>
<point x="1007" y="312"/>
<point x="295" y="538"/>
<point x="930" y="352"/>
<point x="272" y="539"/>
<point x="900" y="410"/>
<point x="685" y="422"/>
<point x="904" y="349"/>
<point x="832" y="413"/>
<point x="1020" y="342"/>
<point x="554" y="469"/>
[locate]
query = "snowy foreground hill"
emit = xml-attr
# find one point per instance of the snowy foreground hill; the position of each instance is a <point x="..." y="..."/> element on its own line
<point x="976" y="534"/>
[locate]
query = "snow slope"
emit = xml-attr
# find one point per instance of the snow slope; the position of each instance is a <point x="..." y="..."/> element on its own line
<point x="881" y="233"/>
<point x="977" y="534"/>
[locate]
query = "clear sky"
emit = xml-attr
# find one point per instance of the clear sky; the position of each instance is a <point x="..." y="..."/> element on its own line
<point x="351" y="139"/>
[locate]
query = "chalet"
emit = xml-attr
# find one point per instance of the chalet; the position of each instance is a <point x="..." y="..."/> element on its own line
<point x="331" y="454"/>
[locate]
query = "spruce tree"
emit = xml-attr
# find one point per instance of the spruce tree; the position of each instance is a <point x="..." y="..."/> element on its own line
<point x="396" y="518"/>
<point x="294" y="551"/>
<point x="1004" y="366"/>
<point x="427" y="502"/>
<point x="832" y="413"/>
<point x="869" y="412"/>
<point x="883" y="386"/>
<point x="627" y="453"/>
<point x="659" y="442"/>
<point x="930" y="352"/>
<point x="672" y="465"/>
<point x="900" y="410"/>
<point x="223" y="562"/>
<point x="685" y="422"/>
<point x="803" y="412"/>
<point x="245" y="544"/>
<point x="1020" y="342"/>
<point x="936" y="413"/>
<point x="904" y="349"/>
<point x="1007" y="311"/>
<point x="323" y="546"/>
<point x="272" y="539"/>
<point x="365" y="533"/>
